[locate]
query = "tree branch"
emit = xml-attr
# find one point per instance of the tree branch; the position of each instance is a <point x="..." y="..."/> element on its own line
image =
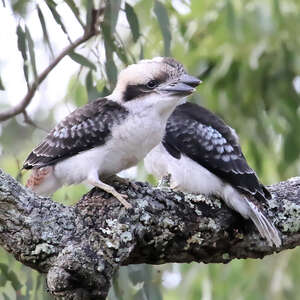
<point x="81" y="247"/>
<point x="90" y="32"/>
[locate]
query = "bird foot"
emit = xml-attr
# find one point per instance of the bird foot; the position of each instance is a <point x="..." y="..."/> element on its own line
<point x="109" y="189"/>
<point x="123" y="180"/>
<point x="122" y="198"/>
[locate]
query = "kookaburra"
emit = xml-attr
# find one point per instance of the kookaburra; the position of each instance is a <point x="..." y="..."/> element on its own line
<point x="111" y="134"/>
<point x="203" y="155"/>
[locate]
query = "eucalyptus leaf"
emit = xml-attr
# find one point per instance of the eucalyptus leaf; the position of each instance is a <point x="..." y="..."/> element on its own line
<point x="161" y="14"/>
<point x="22" y="42"/>
<point x="52" y="6"/>
<point x="120" y="51"/>
<point x="80" y="59"/>
<point x="89" y="80"/>
<point x="92" y="91"/>
<point x="89" y="6"/>
<point x="114" y="7"/>
<point x="22" y="46"/>
<point x="109" y="44"/>
<point x="74" y="9"/>
<point x="44" y="29"/>
<point x="30" y="44"/>
<point x="111" y="71"/>
<point x="133" y="21"/>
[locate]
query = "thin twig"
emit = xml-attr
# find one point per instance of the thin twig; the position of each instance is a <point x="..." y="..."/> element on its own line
<point x="89" y="33"/>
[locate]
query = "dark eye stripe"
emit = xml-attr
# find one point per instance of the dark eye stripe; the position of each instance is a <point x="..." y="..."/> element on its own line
<point x="134" y="91"/>
<point x="138" y="90"/>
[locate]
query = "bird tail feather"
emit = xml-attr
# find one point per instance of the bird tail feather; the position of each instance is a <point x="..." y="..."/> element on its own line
<point x="264" y="226"/>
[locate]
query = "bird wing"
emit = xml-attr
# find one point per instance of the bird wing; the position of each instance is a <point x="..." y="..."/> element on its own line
<point x="202" y="136"/>
<point x="87" y="127"/>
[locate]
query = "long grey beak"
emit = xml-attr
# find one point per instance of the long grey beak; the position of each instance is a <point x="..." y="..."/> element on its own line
<point x="190" y="80"/>
<point x="178" y="88"/>
<point x="185" y="86"/>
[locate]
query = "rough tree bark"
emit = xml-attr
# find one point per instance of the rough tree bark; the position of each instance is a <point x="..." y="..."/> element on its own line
<point x="81" y="247"/>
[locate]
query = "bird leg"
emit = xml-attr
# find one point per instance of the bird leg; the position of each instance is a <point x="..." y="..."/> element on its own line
<point x="122" y="180"/>
<point x="109" y="189"/>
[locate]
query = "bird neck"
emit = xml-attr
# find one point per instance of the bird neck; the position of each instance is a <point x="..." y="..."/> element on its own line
<point x="116" y="96"/>
<point x="149" y="104"/>
<point x="153" y="104"/>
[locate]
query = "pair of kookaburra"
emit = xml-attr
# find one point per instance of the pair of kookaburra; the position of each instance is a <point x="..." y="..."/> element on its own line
<point x="146" y="114"/>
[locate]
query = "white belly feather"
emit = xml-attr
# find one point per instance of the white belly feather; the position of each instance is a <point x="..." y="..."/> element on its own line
<point x="130" y="143"/>
<point x="189" y="176"/>
<point x="186" y="174"/>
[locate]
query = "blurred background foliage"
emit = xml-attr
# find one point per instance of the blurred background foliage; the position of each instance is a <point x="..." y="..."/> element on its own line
<point x="247" y="54"/>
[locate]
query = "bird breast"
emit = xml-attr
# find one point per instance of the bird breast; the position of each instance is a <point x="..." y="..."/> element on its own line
<point x="132" y="140"/>
<point x="129" y="143"/>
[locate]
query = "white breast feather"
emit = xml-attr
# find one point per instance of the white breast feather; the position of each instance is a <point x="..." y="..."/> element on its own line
<point x="130" y="143"/>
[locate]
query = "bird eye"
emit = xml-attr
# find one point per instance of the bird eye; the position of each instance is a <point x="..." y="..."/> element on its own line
<point x="152" y="84"/>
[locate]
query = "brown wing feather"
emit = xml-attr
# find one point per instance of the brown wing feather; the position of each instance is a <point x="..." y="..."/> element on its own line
<point x="87" y="127"/>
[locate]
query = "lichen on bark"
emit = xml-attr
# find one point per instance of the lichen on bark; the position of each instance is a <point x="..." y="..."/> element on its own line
<point x="81" y="247"/>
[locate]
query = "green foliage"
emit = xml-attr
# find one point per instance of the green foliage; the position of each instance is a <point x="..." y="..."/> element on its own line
<point x="246" y="53"/>
<point x="82" y="60"/>
<point x="75" y="10"/>
<point x="44" y="28"/>
<point x="52" y="7"/>
<point x="163" y="20"/>
<point x="23" y="49"/>
<point x="133" y="21"/>
<point x="30" y="45"/>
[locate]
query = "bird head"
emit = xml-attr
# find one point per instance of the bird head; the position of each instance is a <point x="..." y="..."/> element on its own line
<point x="159" y="79"/>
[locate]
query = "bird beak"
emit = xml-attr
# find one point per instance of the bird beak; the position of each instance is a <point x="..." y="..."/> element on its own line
<point x="185" y="86"/>
<point x="190" y="80"/>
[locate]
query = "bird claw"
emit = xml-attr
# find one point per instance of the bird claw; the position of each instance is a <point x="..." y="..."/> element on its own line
<point x="122" y="198"/>
<point x="124" y="181"/>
